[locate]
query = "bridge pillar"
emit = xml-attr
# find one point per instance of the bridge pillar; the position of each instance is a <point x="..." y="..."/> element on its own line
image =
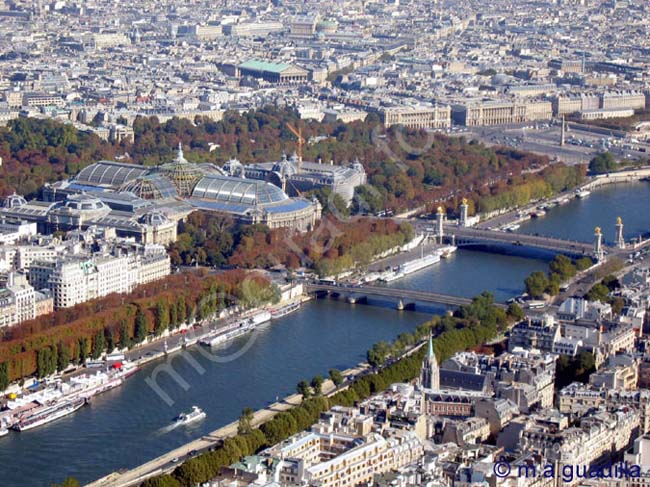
<point x="440" y="220"/>
<point x="620" y="241"/>
<point x="464" y="211"/>
<point x="598" y="244"/>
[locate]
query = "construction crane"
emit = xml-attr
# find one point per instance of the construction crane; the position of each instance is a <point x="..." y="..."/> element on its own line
<point x="298" y="133"/>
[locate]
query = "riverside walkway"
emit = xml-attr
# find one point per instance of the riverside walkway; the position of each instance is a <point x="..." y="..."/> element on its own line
<point x="169" y="461"/>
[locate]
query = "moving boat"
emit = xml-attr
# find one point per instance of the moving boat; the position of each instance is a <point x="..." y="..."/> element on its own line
<point x="48" y="414"/>
<point x="196" y="414"/>
<point x="583" y="194"/>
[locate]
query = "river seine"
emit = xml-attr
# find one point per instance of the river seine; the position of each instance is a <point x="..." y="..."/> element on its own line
<point x="126" y="427"/>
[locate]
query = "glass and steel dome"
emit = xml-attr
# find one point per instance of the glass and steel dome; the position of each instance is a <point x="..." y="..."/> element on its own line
<point x="109" y="173"/>
<point x="83" y="202"/>
<point x="286" y="167"/>
<point x="234" y="168"/>
<point x="357" y="166"/>
<point x="180" y="172"/>
<point x="14" y="201"/>
<point x="150" y="187"/>
<point x="154" y="218"/>
<point x="235" y="190"/>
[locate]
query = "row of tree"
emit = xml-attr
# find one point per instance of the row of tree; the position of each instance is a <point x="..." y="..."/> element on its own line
<point x="333" y="246"/>
<point x="209" y="239"/>
<point x="473" y="325"/>
<point x="561" y="269"/>
<point x="405" y="167"/>
<point x="602" y="291"/>
<point x="36" y="151"/>
<point x="52" y="342"/>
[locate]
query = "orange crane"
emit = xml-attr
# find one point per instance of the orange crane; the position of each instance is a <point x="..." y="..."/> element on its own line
<point x="298" y="133"/>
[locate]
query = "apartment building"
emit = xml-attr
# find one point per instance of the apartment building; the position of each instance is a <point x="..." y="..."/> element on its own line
<point x="42" y="100"/>
<point x="17" y="301"/>
<point x="7" y="308"/>
<point x="340" y="460"/>
<point x="598" y="437"/>
<point x="75" y="280"/>
<point x="577" y="398"/>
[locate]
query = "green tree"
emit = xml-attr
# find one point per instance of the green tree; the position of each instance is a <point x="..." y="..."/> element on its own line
<point x="336" y="377"/>
<point x="553" y="288"/>
<point x="125" y="339"/>
<point x="99" y="344"/>
<point x="181" y="309"/>
<point x="68" y="482"/>
<point x="603" y="163"/>
<point x="599" y="292"/>
<point x="618" y="304"/>
<point x="162" y="481"/>
<point x="317" y="385"/>
<point x="46" y="361"/>
<point x="515" y="312"/>
<point x="162" y="317"/>
<point x="377" y="355"/>
<point x="303" y="388"/>
<point x="83" y="349"/>
<point x="63" y="358"/>
<point x="141" y="326"/>
<point x="4" y="375"/>
<point x="611" y="282"/>
<point x="536" y="284"/>
<point x="574" y="369"/>
<point x="563" y="267"/>
<point x="245" y="425"/>
<point x="584" y="263"/>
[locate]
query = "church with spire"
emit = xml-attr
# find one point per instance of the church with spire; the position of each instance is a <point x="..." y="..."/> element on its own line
<point x="430" y="373"/>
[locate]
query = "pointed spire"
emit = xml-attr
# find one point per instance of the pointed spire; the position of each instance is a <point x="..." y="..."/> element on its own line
<point x="430" y="353"/>
<point x="180" y="157"/>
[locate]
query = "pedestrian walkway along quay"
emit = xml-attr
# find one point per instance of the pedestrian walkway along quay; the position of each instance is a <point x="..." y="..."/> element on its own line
<point x="169" y="461"/>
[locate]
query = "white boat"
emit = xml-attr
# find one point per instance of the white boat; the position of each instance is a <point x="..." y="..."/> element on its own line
<point x="421" y="263"/>
<point x="196" y="414"/>
<point x="583" y="194"/>
<point x="285" y="310"/>
<point x="259" y="318"/>
<point x="3" y="432"/>
<point x="237" y="329"/>
<point x="415" y="265"/>
<point x="447" y="251"/>
<point x="240" y="328"/>
<point x="392" y="276"/>
<point x="48" y="414"/>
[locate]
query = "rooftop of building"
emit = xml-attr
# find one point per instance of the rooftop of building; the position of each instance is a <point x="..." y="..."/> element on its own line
<point x="257" y="65"/>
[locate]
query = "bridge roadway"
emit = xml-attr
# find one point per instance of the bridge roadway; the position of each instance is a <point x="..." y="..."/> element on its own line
<point x="387" y="292"/>
<point x="478" y="235"/>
